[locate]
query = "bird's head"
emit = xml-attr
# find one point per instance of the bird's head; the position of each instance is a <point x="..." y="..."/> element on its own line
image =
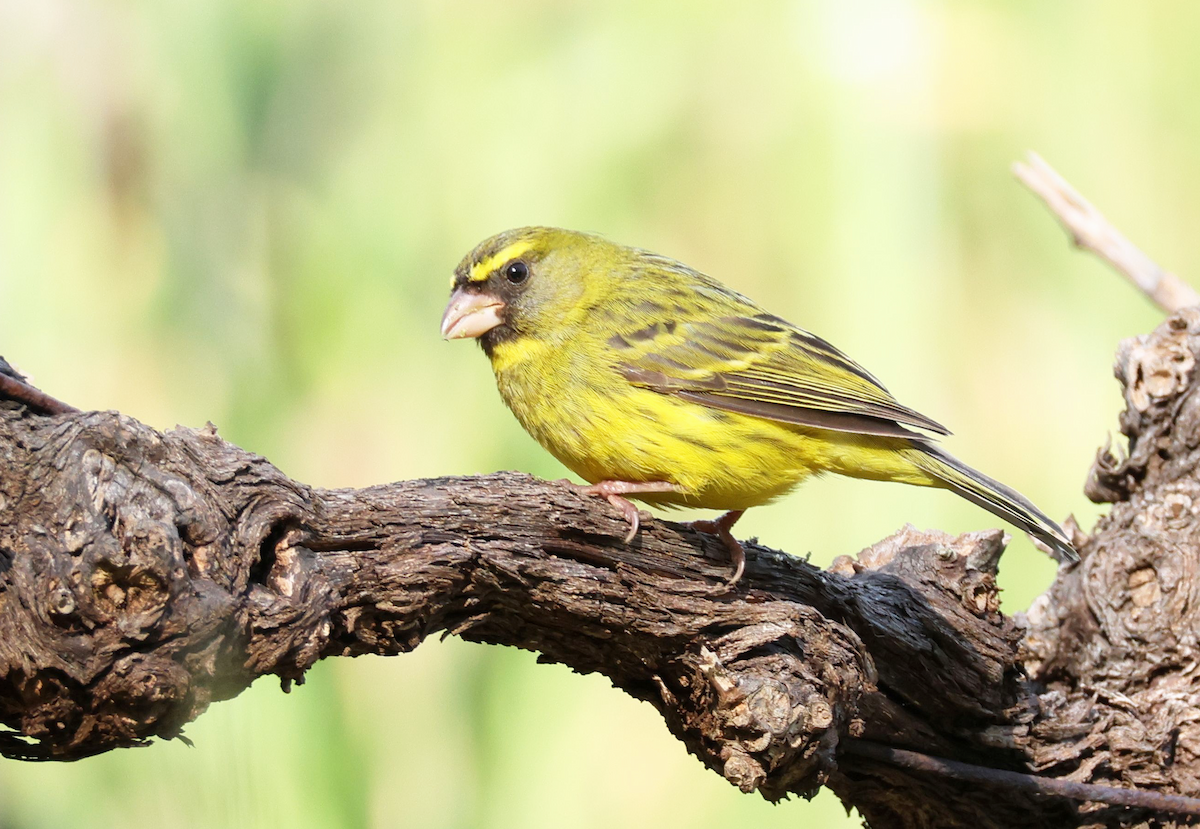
<point x="524" y="282"/>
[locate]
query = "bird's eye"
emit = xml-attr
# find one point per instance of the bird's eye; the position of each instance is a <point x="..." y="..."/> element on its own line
<point x="516" y="272"/>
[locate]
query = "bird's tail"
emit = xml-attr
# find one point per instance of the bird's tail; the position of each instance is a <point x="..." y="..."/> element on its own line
<point x="994" y="497"/>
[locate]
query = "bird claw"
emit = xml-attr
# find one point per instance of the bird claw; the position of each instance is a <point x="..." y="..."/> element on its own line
<point x="721" y="529"/>
<point x="629" y="512"/>
<point x="632" y="514"/>
<point x="613" y="492"/>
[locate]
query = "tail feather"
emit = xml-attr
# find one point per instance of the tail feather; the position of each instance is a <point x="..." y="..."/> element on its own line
<point x="998" y="499"/>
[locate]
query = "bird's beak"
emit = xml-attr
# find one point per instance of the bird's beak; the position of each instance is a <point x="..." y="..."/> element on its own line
<point x="471" y="314"/>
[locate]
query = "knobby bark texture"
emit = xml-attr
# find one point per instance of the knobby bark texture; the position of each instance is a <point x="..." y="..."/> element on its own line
<point x="145" y="575"/>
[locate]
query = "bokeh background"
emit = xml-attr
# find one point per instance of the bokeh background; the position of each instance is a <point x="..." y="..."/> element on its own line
<point x="247" y="211"/>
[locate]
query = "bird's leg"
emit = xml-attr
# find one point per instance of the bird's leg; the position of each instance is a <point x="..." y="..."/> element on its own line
<point x="612" y="491"/>
<point x="720" y="528"/>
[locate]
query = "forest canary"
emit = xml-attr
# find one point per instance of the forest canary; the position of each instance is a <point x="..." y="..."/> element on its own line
<point x="652" y="380"/>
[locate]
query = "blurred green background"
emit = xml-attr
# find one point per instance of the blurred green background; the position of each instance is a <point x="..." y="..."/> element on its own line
<point x="247" y="211"/>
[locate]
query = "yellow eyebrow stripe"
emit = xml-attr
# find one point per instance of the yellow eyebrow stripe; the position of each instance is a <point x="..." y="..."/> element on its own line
<point x="483" y="269"/>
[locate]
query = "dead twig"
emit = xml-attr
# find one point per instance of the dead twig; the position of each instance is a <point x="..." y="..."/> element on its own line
<point x="13" y="389"/>
<point x="1091" y="231"/>
<point x="1160" y="802"/>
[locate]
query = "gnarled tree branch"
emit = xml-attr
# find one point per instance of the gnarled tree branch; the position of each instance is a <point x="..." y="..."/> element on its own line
<point x="159" y="572"/>
<point x="145" y="575"/>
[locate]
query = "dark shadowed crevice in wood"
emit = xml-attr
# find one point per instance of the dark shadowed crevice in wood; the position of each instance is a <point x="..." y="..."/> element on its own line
<point x="145" y="575"/>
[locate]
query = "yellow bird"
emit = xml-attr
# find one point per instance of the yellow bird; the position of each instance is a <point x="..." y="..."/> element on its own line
<point x="651" y="380"/>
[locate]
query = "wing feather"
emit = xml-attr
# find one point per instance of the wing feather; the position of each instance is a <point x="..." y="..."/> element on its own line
<point x="758" y="364"/>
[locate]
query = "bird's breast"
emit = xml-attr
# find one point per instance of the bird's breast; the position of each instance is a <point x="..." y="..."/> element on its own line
<point x="582" y="410"/>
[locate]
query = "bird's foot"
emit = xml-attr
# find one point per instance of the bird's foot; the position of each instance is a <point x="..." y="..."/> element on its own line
<point x="721" y="528"/>
<point x="613" y="492"/>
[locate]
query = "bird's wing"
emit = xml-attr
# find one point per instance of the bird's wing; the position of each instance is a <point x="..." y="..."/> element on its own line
<point x="760" y="365"/>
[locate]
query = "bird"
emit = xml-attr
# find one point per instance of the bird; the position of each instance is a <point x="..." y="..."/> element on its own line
<point x="651" y="380"/>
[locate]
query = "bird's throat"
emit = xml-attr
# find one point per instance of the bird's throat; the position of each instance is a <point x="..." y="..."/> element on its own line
<point x="509" y="350"/>
<point x="495" y="339"/>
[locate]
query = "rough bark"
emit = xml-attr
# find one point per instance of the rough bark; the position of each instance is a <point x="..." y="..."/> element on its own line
<point x="144" y="575"/>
